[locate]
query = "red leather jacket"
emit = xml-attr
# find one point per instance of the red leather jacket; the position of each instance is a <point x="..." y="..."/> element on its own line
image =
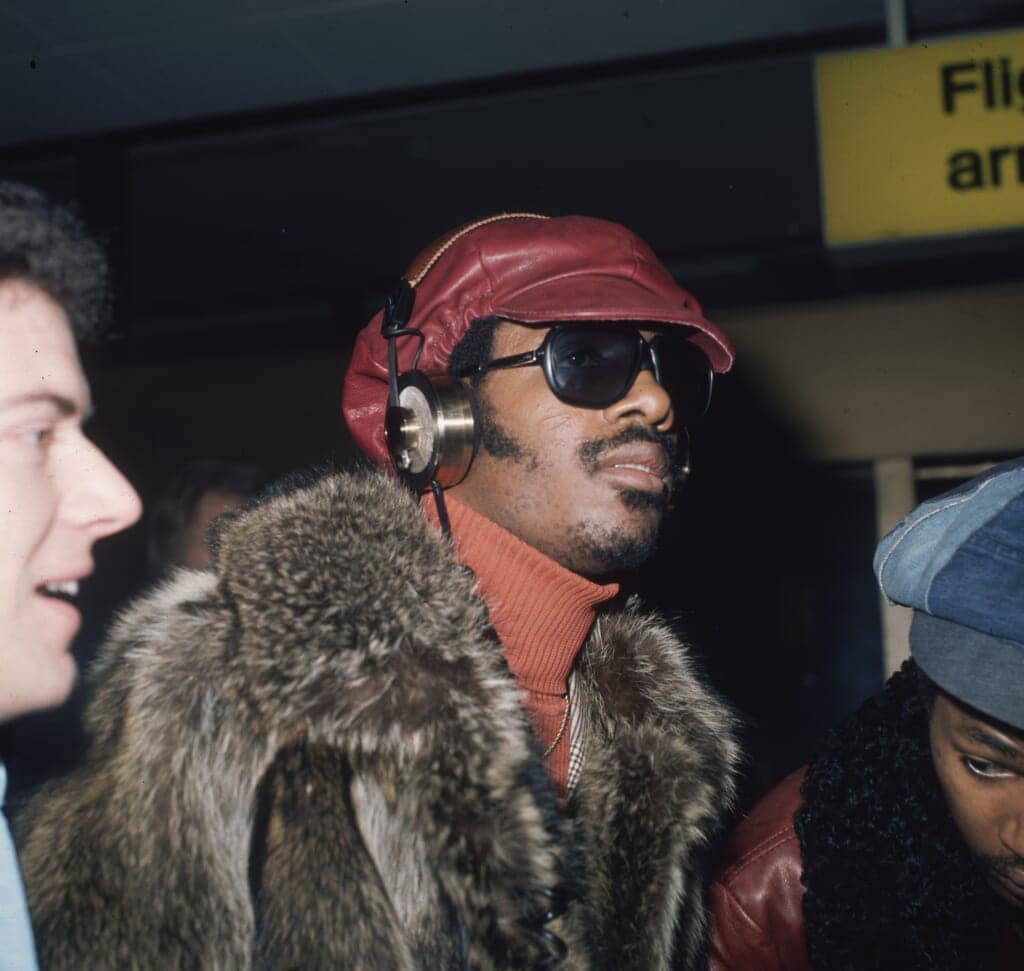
<point x="757" y="921"/>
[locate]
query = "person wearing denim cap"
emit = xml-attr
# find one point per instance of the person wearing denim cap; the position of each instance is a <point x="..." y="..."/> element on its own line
<point x="901" y="845"/>
<point x="405" y="721"/>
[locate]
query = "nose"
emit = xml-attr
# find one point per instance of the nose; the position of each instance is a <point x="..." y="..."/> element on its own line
<point x="98" y="499"/>
<point x="646" y="400"/>
<point x="1011" y="829"/>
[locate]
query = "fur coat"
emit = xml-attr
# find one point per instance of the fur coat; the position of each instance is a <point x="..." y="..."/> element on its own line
<point x="314" y="756"/>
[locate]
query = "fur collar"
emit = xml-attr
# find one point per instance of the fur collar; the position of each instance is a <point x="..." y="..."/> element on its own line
<point x="337" y="617"/>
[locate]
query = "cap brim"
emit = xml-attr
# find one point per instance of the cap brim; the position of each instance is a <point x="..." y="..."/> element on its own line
<point x="608" y="298"/>
<point x="984" y="671"/>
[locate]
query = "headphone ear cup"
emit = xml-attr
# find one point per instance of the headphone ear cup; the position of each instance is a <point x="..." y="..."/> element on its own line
<point x="433" y="433"/>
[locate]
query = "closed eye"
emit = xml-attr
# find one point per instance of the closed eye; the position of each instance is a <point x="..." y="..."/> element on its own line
<point x="985" y="769"/>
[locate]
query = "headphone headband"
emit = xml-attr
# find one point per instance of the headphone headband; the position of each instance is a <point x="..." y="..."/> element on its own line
<point x="430" y="425"/>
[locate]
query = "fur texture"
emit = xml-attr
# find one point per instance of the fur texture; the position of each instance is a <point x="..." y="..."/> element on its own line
<point x="315" y="756"/>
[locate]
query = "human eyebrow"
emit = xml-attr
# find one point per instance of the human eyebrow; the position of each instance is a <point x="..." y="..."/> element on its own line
<point x="1006" y="749"/>
<point x="65" y="406"/>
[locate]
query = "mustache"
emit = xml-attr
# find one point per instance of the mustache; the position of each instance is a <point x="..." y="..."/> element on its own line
<point x="590" y="451"/>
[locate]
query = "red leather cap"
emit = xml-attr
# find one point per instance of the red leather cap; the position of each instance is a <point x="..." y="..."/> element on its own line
<point x="529" y="269"/>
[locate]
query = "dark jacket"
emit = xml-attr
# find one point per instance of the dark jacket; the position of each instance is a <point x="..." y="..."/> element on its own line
<point x="756" y="901"/>
<point x="856" y="862"/>
<point x="314" y="756"/>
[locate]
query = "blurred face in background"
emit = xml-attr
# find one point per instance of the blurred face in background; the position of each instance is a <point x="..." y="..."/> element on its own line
<point x="195" y="552"/>
<point x="58" y="496"/>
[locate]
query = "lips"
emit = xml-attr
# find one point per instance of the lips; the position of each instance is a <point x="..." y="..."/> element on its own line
<point x="642" y="465"/>
<point x="1015" y="882"/>
<point x="1008" y="886"/>
<point x="64" y="586"/>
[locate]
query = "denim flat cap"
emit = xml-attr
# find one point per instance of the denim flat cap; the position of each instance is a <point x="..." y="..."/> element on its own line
<point x="958" y="560"/>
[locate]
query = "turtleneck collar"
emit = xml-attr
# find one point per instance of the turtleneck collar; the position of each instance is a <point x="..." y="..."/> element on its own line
<point x="542" y="614"/>
<point x="541" y="611"/>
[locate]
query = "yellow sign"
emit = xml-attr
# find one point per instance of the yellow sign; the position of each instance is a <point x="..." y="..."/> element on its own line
<point x="922" y="141"/>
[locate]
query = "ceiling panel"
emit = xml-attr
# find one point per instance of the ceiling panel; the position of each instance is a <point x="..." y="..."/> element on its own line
<point x="695" y="161"/>
<point x="16" y="37"/>
<point x="108" y="24"/>
<point x="941" y="16"/>
<point x="37" y="102"/>
<point x="116" y="64"/>
<point x="244" y="70"/>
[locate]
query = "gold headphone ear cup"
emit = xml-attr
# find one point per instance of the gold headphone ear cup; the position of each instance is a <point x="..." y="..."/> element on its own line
<point x="432" y="434"/>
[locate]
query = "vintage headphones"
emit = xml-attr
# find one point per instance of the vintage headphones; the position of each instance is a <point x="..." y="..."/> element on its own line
<point x="431" y="424"/>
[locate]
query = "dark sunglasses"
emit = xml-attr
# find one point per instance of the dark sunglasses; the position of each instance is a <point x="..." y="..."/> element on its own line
<point x="593" y="367"/>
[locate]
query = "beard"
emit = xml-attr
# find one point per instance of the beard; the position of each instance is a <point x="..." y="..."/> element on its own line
<point x="1003" y="866"/>
<point x="614" y="551"/>
<point x="598" y="552"/>
<point x="619" y="550"/>
<point x="498" y="442"/>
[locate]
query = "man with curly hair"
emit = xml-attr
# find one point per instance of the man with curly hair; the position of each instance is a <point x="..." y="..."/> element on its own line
<point x="901" y="845"/>
<point x="58" y="493"/>
<point x="411" y="725"/>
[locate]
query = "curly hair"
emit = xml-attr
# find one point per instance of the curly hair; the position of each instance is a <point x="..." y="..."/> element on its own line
<point x="474" y="349"/>
<point x="48" y="246"/>
<point x="889" y="881"/>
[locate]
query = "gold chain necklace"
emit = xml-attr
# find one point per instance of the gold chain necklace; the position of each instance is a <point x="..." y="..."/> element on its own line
<point x="561" y="728"/>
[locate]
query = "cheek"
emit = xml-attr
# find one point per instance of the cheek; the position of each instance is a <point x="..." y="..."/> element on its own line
<point x="561" y="430"/>
<point x="568" y="480"/>
<point x="969" y="803"/>
<point x="29" y="503"/>
<point x="561" y="441"/>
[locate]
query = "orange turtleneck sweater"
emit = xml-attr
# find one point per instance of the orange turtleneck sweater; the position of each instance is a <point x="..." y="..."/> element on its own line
<point x="541" y="611"/>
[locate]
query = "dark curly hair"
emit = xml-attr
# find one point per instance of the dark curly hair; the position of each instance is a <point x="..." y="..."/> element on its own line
<point x="474" y="349"/>
<point x="48" y="246"/>
<point x="889" y="881"/>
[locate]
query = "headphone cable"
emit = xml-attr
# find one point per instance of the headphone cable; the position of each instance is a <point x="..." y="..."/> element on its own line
<point x="442" y="509"/>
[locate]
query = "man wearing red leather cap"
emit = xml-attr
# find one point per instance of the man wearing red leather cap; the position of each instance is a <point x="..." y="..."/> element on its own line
<point x="404" y="722"/>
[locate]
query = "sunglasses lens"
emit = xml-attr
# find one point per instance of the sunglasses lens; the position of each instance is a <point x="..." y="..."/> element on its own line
<point x="592" y="367"/>
<point x="685" y="373"/>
